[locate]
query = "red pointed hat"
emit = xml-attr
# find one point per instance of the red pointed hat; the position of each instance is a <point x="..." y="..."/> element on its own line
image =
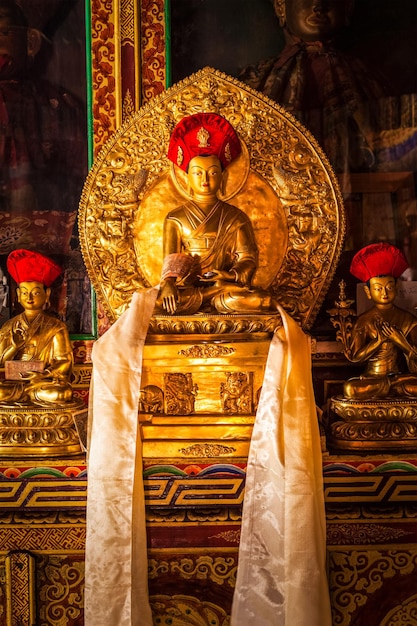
<point x="378" y="259"/>
<point x="203" y="134"/>
<point x="26" y="266"/>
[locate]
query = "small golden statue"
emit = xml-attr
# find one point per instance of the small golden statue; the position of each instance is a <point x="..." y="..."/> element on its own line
<point x="35" y="350"/>
<point x="209" y="248"/>
<point x="380" y="404"/>
<point x="385" y="332"/>
<point x="34" y="337"/>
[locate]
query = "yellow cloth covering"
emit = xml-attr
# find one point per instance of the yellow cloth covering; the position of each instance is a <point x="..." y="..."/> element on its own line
<point x="281" y="577"/>
<point x="116" y="567"/>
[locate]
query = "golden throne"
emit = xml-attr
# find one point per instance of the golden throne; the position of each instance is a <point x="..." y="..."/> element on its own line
<point x="202" y="373"/>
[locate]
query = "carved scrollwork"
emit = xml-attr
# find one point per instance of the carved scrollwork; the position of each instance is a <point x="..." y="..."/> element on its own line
<point x="177" y="610"/>
<point x="206" y="351"/>
<point x="61" y="590"/>
<point x="357" y="575"/>
<point x="404" y="613"/>
<point x="207" y="450"/>
<point x="219" y="570"/>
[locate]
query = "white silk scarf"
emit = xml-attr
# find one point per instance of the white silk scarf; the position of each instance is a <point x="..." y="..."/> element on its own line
<point x="116" y="567"/>
<point x="281" y="577"/>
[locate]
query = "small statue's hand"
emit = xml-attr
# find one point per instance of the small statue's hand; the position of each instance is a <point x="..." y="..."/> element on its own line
<point x="388" y="331"/>
<point x="18" y="337"/>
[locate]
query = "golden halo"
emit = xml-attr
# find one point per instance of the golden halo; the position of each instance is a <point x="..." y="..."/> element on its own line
<point x="237" y="174"/>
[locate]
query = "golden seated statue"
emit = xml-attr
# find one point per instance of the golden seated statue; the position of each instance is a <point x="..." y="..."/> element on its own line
<point x="230" y="207"/>
<point x="230" y="241"/>
<point x="36" y="399"/>
<point x="379" y="407"/>
<point x="209" y="247"/>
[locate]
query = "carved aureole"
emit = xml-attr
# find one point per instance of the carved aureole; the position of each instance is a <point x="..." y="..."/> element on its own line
<point x="207" y="367"/>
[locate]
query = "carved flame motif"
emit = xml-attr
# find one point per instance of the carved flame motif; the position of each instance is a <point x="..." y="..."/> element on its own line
<point x="203" y="137"/>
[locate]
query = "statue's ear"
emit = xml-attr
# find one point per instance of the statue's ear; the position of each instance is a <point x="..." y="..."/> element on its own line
<point x="48" y="293"/>
<point x="279" y="6"/>
<point x="367" y="291"/>
<point x="34" y="39"/>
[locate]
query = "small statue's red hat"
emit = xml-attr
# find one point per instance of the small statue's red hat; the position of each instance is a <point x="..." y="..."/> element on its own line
<point x="203" y="134"/>
<point x="378" y="259"/>
<point x="26" y="266"/>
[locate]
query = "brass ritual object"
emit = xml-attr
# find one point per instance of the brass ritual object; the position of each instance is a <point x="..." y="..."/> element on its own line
<point x="37" y="405"/>
<point x="207" y="369"/>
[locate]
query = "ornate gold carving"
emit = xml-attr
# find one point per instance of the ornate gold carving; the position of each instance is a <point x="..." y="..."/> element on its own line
<point x="236" y="393"/>
<point x="342" y="317"/>
<point x="151" y="400"/>
<point x="339" y="534"/>
<point x="214" y="325"/>
<point x="373" y="424"/>
<point x="128" y="105"/>
<point x="37" y="518"/>
<point x="217" y="569"/>
<point x="50" y="539"/>
<point x="29" y="431"/>
<point x="203" y="137"/>
<point x="206" y="351"/>
<point x="179" y="609"/>
<point x="374" y="435"/>
<point x="390" y="410"/>
<point x="180" y="393"/>
<point x="290" y="192"/>
<point x="61" y="590"/>
<point x="127" y="22"/>
<point x="404" y="613"/>
<point x="232" y="536"/>
<point x="20" y="585"/>
<point x="223" y="514"/>
<point x="356" y="575"/>
<point x="207" y="450"/>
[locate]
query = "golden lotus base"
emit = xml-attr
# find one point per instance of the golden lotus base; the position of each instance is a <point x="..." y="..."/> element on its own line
<point x="207" y="326"/>
<point x="28" y="431"/>
<point x="386" y="424"/>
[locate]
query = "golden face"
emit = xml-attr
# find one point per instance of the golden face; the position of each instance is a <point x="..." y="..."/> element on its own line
<point x="33" y="295"/>
<point x="382" y="290"/>
<point x="205" y="175"/>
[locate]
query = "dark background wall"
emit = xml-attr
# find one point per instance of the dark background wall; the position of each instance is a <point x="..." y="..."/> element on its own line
<point x="230" y="34"/>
